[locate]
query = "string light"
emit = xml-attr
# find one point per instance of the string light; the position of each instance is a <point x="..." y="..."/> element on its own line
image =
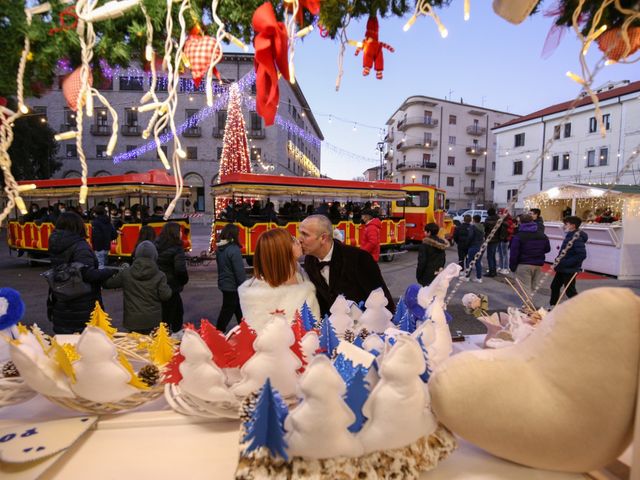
<point x="304" y="161"/>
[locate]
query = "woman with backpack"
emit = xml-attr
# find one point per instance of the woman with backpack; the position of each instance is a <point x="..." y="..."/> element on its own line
<point x="230" y="275"/>
<point x="68" y="248"/>
<point x="172" y="262"/>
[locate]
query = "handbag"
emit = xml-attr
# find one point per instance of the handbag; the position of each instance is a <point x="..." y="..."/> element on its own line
<point x="65" y="280"/>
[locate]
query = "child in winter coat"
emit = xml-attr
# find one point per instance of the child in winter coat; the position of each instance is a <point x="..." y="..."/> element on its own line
<point x="144" y="289"/>
<point x="431" y="255"/>
<point x="230" y="275"/>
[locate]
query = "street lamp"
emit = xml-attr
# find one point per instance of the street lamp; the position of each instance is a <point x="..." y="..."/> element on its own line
<point x="413" y="179"/>
<point x="380" y="146"/>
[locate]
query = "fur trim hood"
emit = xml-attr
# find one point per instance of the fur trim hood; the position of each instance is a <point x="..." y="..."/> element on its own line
<point x="439" y="243"/>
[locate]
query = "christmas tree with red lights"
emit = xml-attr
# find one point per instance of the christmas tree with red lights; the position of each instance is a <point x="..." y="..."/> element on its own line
<point x="235" y="148"/>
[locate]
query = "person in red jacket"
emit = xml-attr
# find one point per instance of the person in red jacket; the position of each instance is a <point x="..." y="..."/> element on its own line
<point x="370" y="237"/>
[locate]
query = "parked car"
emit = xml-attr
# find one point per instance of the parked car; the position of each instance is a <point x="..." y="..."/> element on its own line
<point x="482" y="213"/>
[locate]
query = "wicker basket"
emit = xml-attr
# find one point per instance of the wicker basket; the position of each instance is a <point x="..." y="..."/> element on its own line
<point x="14" y="390"/>
<point x="187" y="404"/>
<point x="612" y="43"/>
<point x="102" y="408"/>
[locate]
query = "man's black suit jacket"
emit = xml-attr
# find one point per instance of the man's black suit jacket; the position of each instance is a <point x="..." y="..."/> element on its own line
<point x="352" y="273"/>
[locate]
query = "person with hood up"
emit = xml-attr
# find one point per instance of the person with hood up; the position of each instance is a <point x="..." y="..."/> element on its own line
<point x="528" y="249"/>
<point x="102" y="234"/>
<point x="571" y="263"/>
<point x="476" y="239"/>
<point x="230" y="275"/>
<point x="68" y="244"/>
<point x="431" y="255"/>
<point x="144" y="288"/>
<point x="370" y="239"/>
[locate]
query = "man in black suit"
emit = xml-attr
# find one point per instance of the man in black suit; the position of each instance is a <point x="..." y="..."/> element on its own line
<point x="335" y="268"/>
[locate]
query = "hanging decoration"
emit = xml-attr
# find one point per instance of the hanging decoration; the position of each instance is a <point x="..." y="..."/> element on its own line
<point x="199" y="49"/>
<point x="372" y="48"/>
<point x="617" y="44"/>
<point x="66" y="15"/>
<point x="271" y="46"/>
<point x="71" y="86"/>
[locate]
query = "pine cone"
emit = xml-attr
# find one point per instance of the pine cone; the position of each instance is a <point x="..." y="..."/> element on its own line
<point x="247" y="407"/>
<point x="349" y="336"/>
<point x="149" y="374"/>
<point x="364" y="333"/>
<point x="9" y="370"/>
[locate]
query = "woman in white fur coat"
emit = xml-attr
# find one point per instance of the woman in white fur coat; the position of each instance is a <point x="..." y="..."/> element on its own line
<point x="279" y="283"/>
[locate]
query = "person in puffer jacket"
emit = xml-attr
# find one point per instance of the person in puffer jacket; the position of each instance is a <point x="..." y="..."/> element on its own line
<point x="144" y="288"/>
<point x="370" y="238"/>
<point x="102" y="234"/>
<point x="230" y="275"/>
<point x="571" y="263"/>
<point x="68" y="244"/>
<point x="528" y="249"/>
<point x="172" y="262"/>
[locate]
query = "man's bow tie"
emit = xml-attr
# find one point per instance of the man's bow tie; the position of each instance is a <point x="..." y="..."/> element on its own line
<point x="321" y="265"/>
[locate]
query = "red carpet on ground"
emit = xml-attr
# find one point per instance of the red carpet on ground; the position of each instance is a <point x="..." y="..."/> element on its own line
<point x="581" y="276"/>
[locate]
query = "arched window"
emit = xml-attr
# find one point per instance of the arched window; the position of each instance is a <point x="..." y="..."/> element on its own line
<point x="196" y="183"/>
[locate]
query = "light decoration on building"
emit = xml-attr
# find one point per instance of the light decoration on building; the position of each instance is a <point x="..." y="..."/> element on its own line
<point x="235" y="148"/>
<point x="304" y="161"/>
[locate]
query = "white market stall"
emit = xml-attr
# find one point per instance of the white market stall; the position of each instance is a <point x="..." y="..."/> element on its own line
<point x="612" y="248"/>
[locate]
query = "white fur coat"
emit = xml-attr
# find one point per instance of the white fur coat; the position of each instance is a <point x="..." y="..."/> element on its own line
<point x="258" y="300"/>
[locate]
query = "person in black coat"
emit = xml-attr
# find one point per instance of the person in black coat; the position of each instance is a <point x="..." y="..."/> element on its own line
<point x="335" y="268"/>
<point x="102" y="234"/>
<point x="431" y="255"/>
<point x="230" y="275"/>
<point x="571" y="263"/>
<point x="462" y="235"/>
<point x="68" y="244"/>
<point x="172" y="262"/>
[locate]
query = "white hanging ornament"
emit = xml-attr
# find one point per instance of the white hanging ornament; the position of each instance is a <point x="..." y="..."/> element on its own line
<point x="514" y="11"/>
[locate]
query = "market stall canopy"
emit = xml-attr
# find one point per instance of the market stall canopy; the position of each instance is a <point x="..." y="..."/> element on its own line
<point x="154" y="183"/>
<point x="254" y="185"/>
<point x="570" y="191"/>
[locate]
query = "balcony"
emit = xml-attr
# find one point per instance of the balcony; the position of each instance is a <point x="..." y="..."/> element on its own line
<point x="427" y="122"/>
<point x="218" y="132"/>
<point x="416" y="166"/>
<point x="474" y="170"/>
<point x="389" y="137"/>
<point x="256" y="133"/>
<point x="100" y="130"/>
<point x="476" y="150"/>
<point x="402" y="146"/>
<point x="65" y="127"/>
<point x="130" y="130"/>
<point x="473" y="190"/>
<point x="192" y="132"/>
<point x="476" y="130"/>
<point x="389" y="154"/>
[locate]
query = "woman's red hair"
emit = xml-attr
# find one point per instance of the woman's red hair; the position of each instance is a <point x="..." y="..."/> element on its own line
<point x="273" y="259"/>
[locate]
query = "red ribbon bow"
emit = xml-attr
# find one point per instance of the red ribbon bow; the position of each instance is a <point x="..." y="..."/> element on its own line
<point x="271" y="44"/>
<point x="312" y="5"/>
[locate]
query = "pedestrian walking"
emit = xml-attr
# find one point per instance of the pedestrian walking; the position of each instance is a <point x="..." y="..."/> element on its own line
<point x="172" y="263"/>
<point x="370" y="241"/>
<point x="528" y="249"/>
<point x="461" y="236"/>
<point x="536" y="214"/>
<point x="102" y="234"/>
<point x="144" y="288"/>
<point x="492" y="246"/>
<point x="571" y="263"/>
<point x="475" y="242"/>
<point x="230" y="275"/>
<point x="431" y="255"/>
<point x="506" y="234"/>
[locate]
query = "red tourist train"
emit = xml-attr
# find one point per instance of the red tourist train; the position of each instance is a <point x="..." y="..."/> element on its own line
<point x="406" y="208"/>
<point x="32" y="236"/>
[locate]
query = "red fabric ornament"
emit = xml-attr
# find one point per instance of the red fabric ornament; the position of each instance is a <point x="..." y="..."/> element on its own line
<point x="242" y="344"/>
<point x="298" y="333"/>
<point x="171" y="372"/>
<point x="198" y="50"/>
<point x="221" y="351"/>
<point x="372" y="48"/>
<point x="613" y="46"/>
<point x="271" y="44"/>
<point x="312" y="5"/>
<point x="69" y="12"/>
<point x="71" y="88"/>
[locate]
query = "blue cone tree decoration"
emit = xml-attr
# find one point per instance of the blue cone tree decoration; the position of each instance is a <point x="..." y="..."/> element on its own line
<point x="266" y="427"/>
<point x="308" y="320"/>
<point x="328" y="339"/>
<point x="401" y="308"/>
<point x="427" y="371"/>
<point x="357" y="393"/>
<point x="345" y="367"/>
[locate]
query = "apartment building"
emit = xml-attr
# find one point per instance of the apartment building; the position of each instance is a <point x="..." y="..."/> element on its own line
<point x="274" y="150"/>
<point x="444" y="143"/>
<point x="579" y="153"/>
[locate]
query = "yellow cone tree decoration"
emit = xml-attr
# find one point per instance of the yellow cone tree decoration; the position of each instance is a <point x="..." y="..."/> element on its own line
<point x="135" y="380"/>
<point x="100" y="319"/>
<point x="161" y="348"/>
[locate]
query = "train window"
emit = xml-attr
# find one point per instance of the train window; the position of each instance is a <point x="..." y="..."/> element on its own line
<point x="415" y="199"/>
<point x="440" y="203"/>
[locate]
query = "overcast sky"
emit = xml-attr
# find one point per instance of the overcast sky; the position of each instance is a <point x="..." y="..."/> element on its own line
<point x="485" y="61"/>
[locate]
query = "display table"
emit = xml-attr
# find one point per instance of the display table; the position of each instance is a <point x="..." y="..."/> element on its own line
<point x="154" y="442"/>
